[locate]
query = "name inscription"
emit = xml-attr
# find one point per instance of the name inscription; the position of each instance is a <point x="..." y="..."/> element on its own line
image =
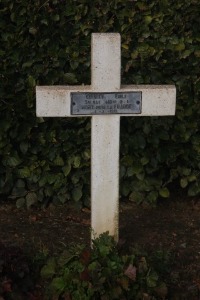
<point x="106" y="103"/>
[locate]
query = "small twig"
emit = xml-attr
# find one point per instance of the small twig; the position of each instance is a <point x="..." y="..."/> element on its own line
<point x="43" y="5"/>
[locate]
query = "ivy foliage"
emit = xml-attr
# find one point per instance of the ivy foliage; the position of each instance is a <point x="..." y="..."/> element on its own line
<point x="48" y="43"/>
<point x="102" y="273"/>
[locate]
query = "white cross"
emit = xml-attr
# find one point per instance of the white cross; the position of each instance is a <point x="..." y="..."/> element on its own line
<point x="58" y="101"/>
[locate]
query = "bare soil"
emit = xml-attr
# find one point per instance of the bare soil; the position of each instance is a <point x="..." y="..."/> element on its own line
<point x="172" y="227"/>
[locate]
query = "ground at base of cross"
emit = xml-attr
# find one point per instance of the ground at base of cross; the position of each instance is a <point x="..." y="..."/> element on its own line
<point x="174" y="226"/>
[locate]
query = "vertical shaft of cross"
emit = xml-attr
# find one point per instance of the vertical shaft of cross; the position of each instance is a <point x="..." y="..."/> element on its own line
<point x="106" y="62"/>
<point x="106" y="66"/>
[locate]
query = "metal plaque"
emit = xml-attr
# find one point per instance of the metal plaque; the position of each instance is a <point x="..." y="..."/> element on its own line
<point x="106" y="103"/>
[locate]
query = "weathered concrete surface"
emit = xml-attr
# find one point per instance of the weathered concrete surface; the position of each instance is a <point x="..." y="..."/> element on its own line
<point x="157" y="100"/>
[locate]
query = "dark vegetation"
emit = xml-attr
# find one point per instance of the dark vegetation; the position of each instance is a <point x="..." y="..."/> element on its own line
<point x="48" y="43"/>
<point x="45" y="161"/>
<point x="80" y="272"/>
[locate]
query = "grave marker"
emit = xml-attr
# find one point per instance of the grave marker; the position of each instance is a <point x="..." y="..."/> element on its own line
<point x="105" y="100"/>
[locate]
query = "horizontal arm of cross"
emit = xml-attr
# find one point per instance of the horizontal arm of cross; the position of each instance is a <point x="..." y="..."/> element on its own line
<point x="55" y="101"/>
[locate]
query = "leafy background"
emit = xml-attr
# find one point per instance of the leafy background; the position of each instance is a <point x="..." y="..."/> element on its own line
<point x="48" y="43"/>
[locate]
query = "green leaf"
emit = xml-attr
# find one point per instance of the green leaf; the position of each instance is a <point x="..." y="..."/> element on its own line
<point x="24" y="146"/>
<point x="69" y="78"/>
<point x="56" y="18"/>
<point x="197" y="53"/>
<point x="62" y="198"/>
<point x="148" y="19"/>
<point x="75" y="178"/>
<point x="49" y="269"/>
<point x="20" y="202"/>
<point x="77" y="194"/>
<point x="194" y="189"/>
<point x="126" y="189"/>
<point x="152" y="197"/>
<point x="32" y="30"/>
<point x="186" y="171"/>
<point x="87" y="154"/>
<point x="140" y="176"/>
<point x="127" y="160"/>
<point x="58" y="161"/>
<point x="40" y="120"/>
<point x="13" y="161"/>
<point x="192" y="178"/>
<point x="24" y="172"/>
<point x="77" y="161"/>
<point x="164" y="192"/>
<point x="122" y="171"/>
<point x="136" y="197"/>
<point x="144" y="160"/>
<point x="66" y="169"/>
<point x="27" y="64"/>
<point x="179" y="47"/>
<point x="183" y="182"/>
<point x="137" y="167"/>
<point x="125" y="46"/>
<point x="51" y="178"/>
<point x="20" y="183"/>
<point x="43" y="180"/>
<point x="134" y="54"/>
<point x="93" y="266"/>
<point x="31" y="81"/>
<point x="59" y="181"/>
<point x="74" y="64"/>
<point x="58" y="285"/>
<point x="18" y="192"/>
<point x="48" y="191"/>
<point x="152" y="279"/>
<point x="31" y="199"/>
<point x="130" y="171"/>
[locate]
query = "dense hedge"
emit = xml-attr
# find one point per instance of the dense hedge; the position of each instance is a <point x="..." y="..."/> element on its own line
<point x="47" y="43"/>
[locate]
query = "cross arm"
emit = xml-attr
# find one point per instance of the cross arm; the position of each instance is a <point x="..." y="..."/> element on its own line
<point x="157" y="100"/>
<point x="54" y="101"/>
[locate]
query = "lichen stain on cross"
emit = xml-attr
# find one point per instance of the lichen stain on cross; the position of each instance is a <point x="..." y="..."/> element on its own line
<point x="143" y="100"/>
